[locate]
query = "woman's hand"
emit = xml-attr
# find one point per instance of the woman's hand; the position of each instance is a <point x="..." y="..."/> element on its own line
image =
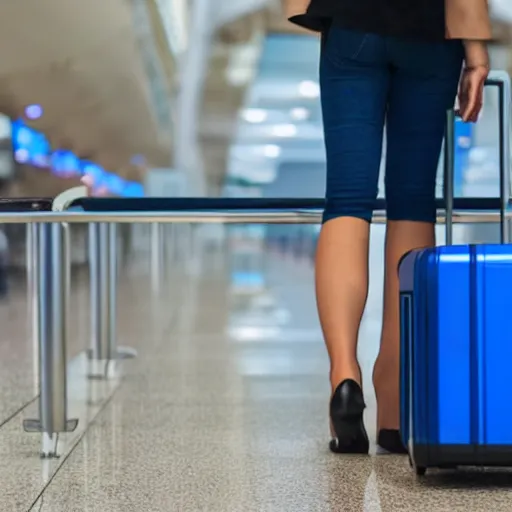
<point x="471" y="89"/>
<point x="471" y="92"/>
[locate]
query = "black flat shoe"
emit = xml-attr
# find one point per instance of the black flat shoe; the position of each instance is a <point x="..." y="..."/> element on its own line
<point x="346" y="411"/>
<point x="391" y="441"/>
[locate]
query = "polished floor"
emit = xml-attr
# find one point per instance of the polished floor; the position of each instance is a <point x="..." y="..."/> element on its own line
<point x="223" y="410"/>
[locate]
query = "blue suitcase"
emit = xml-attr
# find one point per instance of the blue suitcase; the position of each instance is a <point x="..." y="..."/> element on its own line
<point x="456" y="355"/>
<point x="456" y="343"/>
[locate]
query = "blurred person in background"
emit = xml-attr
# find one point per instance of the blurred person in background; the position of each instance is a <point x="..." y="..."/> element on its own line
<point x="399" y="64"/>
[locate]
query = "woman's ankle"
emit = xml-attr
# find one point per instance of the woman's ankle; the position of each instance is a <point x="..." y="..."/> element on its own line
<point x="386" y="365"/>
<point x="386" y="385"/>
<point x="343" y="372"/>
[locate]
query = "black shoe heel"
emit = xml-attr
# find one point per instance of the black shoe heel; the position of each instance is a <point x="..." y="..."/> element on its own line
<point x="346" y="411"/>
<point x="391" y="441"/>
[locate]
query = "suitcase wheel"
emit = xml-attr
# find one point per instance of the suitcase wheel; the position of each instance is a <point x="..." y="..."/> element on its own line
<point x="420" y="470"/>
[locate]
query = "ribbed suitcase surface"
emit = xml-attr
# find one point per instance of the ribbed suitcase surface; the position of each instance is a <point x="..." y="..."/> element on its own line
<point x="456" y="351"/>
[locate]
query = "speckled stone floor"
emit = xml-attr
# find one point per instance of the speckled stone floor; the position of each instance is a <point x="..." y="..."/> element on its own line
<point x="225" y="410"/>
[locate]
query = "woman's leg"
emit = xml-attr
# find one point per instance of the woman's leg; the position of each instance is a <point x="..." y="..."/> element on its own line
<point x="354" y="83"/>
<point x="341" y="290"/>
<point x="423" y="86"/>
<point x="401" y="237"/>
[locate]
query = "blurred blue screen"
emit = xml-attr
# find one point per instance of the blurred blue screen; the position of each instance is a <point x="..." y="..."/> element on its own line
<point x="112" y="182"/>
<point x="31" y="147"/>
<point x="65" y="163"/>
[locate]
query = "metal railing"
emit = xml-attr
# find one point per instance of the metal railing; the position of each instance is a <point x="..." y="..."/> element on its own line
<point x="296" y="216"/>
<point x="103" y="301"/>
<point x="52" y="285"/>
<point x="49" y="247"/>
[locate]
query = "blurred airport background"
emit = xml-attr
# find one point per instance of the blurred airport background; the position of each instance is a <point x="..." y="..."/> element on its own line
<point x="181" y="98"/>
<point x="224" y="100"/>
<point x="173" y="97"/>
<point x="226" y="405"/>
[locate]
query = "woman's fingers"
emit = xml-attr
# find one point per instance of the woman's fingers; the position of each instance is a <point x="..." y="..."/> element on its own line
<point x="476" y="103"/>
<point x="468" y="109"/>
<point x="471" y="95"/>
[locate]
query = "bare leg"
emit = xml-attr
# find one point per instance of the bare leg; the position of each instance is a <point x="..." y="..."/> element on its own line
<point x="401" y="237"/>
<point x="354" y="79"/>
<point x="341" y="290"/>
<point x="426" y="86"/>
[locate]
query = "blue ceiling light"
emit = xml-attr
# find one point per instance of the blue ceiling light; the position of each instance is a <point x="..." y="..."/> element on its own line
<point x="33" y="112"/>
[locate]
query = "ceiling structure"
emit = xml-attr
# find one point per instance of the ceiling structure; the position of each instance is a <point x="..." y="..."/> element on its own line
<point x="106" y="75"/>
<point x="85" y="63"/>
<point x="233" y="62"/>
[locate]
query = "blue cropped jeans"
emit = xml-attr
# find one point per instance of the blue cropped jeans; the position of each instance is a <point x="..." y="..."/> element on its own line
<point x="369" y="82"/>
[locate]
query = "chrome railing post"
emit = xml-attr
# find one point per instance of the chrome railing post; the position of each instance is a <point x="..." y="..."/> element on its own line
<point x="32" y="267"/>
<point x="52" y="291"/>
<point x="168" y="246"/>
<point x="112" y="291"/>
<point x="98" y="286"/>
<point x="103" y="265"/>
<point x="194" y="250"/>
<point x="157" y="256"/>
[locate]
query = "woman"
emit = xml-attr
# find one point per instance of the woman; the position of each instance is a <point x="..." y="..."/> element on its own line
<point x="396" y="64"/>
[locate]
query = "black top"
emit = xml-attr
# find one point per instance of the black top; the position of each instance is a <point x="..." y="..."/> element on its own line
<point x="416" y="19"/>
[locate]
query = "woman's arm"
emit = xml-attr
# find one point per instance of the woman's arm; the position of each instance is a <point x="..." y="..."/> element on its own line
<point x="476" y="53"/>
<point x="468" y="19"/>
<point x="476" y="70"/>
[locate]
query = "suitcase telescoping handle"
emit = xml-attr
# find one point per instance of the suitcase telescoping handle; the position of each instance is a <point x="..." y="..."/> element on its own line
<point x="500" y="80"/>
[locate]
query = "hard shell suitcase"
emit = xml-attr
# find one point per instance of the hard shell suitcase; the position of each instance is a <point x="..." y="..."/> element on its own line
<point x="456" y="339"/>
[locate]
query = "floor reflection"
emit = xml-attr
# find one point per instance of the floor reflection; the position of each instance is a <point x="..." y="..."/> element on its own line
<point x="225" y="409"/>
